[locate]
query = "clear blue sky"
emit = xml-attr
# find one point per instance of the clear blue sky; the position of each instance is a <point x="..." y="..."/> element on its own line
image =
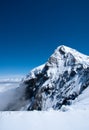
<point x="30" y="30"/>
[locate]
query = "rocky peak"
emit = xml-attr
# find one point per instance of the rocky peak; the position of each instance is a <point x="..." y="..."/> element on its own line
<point x="58" y="82"/>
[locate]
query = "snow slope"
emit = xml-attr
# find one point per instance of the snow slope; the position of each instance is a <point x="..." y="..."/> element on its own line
<point x="51" y="120"/>
<point x="82" y="101"/>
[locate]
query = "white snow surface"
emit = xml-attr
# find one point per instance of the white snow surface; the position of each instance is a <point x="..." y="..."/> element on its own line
<point x="50" y="120"/>
<point x="82" y="101"/>
<point x="81" y="58"/>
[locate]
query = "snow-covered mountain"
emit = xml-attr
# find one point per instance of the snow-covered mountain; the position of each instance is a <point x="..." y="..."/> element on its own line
<point x="63" y="80"/>
<point x="58" y="82"/>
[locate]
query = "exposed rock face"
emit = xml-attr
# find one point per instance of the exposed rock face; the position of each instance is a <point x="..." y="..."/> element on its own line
<point x="58" y="82"/>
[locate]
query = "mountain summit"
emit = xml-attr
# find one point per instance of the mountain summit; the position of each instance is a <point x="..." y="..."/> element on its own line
<point x="60" y="81"/>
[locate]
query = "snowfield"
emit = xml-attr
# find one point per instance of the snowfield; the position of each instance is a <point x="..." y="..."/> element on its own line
<point x="50" y="120"/>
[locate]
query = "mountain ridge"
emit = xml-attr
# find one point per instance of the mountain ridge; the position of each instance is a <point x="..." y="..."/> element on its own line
<point x="59" y="81"/>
